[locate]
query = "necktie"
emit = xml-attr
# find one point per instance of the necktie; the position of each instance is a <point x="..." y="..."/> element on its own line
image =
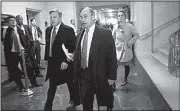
<point x="35" y="34"/>
<point x="16" y="45"/>
<point x="52" y="40"/>
<point x="84" y="62"/>
<point x="22" y="28"/>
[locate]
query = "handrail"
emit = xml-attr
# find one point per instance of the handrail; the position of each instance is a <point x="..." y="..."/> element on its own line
<point x="141" y="37"/>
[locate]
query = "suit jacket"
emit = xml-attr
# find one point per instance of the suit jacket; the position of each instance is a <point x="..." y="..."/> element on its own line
<point x="28" y="33"/>
<point x="102" y="64"/>
<point x="29" y="38"/>
<point x="66" y="36"/>
<point x="38" y="31"/>
<point x="8" y="41"/>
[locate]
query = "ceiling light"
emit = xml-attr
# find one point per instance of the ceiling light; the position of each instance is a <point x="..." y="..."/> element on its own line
<point x="109" y="10"/>
<point x="110" y="14"/>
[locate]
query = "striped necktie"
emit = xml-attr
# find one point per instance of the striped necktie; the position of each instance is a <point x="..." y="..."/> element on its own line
<point x="84" y="62"/>
<point x="52" y="41"/>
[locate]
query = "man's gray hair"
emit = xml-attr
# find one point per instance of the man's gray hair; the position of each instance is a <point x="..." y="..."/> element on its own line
<point x="91" y="10"/>
<point x="57" y="11"/>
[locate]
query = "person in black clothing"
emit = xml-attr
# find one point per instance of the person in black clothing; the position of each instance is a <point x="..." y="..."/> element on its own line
<point x="13" y="44"/>
<point x="28" y="36"/>
<point x="59" y="70"/>
<point x="36" y="38"/>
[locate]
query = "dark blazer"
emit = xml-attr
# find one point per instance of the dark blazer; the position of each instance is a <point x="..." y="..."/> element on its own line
<point x="38" y="30"/>
<point x="66" y="36"/>
<point x="8" y="41"/>
<point x="28" y="32"/>
<point x="29" y="38"/>
<point x="28" y="35"/>
<point x="102" y="64"/>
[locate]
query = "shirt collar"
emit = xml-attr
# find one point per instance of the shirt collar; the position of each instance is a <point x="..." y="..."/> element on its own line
<point x="91" y="28"/>
<point x="57" y="27"/>
<point x="33" y="26"/>
<point x="15" y="28"/>
<point x="21" y="27"/>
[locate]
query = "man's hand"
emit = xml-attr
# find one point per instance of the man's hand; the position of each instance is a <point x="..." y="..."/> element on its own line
<point x="64" y="65"/>
<point x="111" y="82"/>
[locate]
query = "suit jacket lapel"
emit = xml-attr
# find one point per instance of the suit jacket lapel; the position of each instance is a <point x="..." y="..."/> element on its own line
<point x="49" y="35"/>
<point x="78" y="47"/>
<point x="95" y="42"/>
<point x="22" y="37"/>
<point x="60" y="32"/>
<point x="30" y="28"/>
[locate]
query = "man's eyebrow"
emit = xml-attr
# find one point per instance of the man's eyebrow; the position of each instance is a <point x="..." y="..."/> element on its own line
<point x="84" y="14"/>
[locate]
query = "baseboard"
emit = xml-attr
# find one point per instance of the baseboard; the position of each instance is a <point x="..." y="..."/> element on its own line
<point x="158" y="101"/>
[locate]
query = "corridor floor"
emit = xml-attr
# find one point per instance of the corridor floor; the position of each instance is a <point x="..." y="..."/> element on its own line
<point x="130" y="97"/>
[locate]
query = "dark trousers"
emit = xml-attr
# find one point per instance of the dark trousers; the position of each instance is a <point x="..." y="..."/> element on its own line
<point x="37" y="52"/>
<point x="87" y="89"/>
<point x="13" y="60"/>
<point x="51" y="93"/>
<point x="127" y="70"/>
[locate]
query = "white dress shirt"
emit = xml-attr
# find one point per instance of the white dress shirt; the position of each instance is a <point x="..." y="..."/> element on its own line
<point x="33" y="33"/>
<point x="90" y="36"/>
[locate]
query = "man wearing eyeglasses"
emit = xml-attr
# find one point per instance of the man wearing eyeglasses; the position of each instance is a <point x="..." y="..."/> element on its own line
<point x="60" y="39"/>
<point x="94" y="63"/>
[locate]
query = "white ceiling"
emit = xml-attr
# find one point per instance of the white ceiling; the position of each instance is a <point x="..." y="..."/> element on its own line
<point x="107" y="9"/>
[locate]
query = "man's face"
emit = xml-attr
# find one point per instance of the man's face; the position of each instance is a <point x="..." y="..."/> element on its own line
<point x="12" y="22"/>
<point x="86" y="18"/>
<point x="33" y="23"/>
<point x="19" y="20"/>
<point x="55" y="19"/>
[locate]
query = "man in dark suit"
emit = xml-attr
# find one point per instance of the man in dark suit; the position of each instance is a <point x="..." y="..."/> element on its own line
<point x="36" y="38"/>
<point x="95" y="65"/>
<point x="59" y="69"/>
<point x="13" y="44"/>
<point x="28" y="37"/>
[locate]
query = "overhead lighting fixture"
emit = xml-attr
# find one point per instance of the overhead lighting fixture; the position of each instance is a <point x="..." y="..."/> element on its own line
<point x="110" y="10"/>
<point x="110" y="14"/>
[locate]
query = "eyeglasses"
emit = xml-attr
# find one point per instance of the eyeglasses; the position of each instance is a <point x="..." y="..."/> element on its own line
<point x="83" y="17"/>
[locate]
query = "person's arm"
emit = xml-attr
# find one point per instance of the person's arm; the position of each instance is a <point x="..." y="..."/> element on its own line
<point x="71" y="43"/>
<point x="47" y="44"/>
<point x="135" y="36"/>
<point x="7" y="42"/>
<point x="39" y="33"/>
<point x="111" y="56"/>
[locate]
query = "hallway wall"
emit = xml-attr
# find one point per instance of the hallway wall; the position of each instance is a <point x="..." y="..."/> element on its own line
<point x="19" y="8"/>
<point x="142" y="22"/>
<point x="164" y="12"/>
<point x="154" y="14"/>
<point x="67" y="9"/>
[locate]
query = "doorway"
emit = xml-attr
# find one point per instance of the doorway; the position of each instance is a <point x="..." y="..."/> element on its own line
<point x="32" y="13"/>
